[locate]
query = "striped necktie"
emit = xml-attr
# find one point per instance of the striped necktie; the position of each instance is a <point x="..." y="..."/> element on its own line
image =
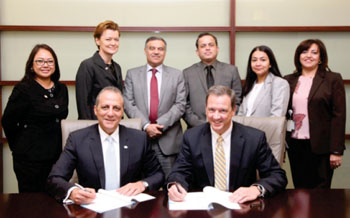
<point x="220" y="165"/>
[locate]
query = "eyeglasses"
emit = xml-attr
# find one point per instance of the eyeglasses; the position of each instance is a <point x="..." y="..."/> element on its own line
<point x="42" y="62"/>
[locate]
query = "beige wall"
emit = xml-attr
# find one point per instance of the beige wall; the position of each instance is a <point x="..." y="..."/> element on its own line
<point x="292" y="13"/>
<point x="73" y="47"/>
<point x="125" y="12"/>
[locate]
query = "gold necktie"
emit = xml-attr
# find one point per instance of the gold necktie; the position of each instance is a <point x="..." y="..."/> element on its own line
<point x="220" y="166"/>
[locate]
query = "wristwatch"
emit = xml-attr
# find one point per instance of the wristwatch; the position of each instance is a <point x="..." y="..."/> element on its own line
<point x="145" y="184"/>
<point x="261" y="189"/>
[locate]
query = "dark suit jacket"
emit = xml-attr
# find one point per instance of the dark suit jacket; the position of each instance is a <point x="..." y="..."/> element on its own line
<point x="32" y="121"/>
<point x="83" y="152"/>
<point x="194" y="168"/>
<point x="196" y="88"/>
<point x="326" y="109"/>
<point x="93" y="76"/>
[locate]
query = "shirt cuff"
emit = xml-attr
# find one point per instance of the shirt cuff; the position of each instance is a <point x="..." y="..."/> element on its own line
<point x="170" y="184"/>
<point x="145" y="126"/>
<point x="66" y="200"/>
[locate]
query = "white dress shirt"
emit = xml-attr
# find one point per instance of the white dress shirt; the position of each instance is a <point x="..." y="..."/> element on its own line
<point x="251" y="97"/>
<point x="105" y="144"/>
<point x="159" y="82"/>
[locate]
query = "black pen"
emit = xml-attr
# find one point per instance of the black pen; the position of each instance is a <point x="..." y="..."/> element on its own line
<point x="177" y="187"/>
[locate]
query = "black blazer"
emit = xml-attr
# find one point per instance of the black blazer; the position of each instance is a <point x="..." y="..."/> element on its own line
<point x="93" y="75"/>
<point x="194" y="168"/>
<point x="326" y="109"/>
<point x="32" y="121"/>
<point x="83" y="152"/>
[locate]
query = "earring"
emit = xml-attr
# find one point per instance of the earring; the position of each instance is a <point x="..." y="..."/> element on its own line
<point x="319" y="62"/>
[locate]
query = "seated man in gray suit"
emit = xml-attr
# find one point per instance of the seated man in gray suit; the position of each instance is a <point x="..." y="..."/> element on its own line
<point x="202" y="75"/>
<point x="226" y="155"/>
<point x="106" y="155"/>
<point x="156" y="93"/>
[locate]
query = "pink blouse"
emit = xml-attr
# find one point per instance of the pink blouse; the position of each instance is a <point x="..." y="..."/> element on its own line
<point x="300" y="112"/>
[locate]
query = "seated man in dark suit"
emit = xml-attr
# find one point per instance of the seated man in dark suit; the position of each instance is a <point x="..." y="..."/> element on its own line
<point x="226" y="155"/>
<point x="106" y="155"/>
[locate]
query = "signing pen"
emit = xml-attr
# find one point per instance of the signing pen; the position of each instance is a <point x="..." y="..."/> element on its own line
<point x="81" y="187"/>
<point x="178" y="187"/>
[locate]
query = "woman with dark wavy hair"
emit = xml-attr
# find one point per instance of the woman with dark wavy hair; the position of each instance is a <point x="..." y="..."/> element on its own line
<point x="265" y="93"/>
<point x="317" y="108"/>
<point x="32" y="119"/>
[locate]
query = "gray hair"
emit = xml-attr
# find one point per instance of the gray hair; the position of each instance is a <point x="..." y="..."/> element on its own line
<point x="152" y="38"/>
<point x="222" y="90"/>
<point x="108" y="88"/>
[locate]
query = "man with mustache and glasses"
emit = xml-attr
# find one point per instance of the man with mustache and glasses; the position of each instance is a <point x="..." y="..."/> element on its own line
<point x="156" y="93"/>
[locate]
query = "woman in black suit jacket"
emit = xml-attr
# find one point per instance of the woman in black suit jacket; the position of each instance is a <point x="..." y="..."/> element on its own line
<point x="99" y="71"/>
<point x="32" y="119"/>
<point x="317" y="108"/>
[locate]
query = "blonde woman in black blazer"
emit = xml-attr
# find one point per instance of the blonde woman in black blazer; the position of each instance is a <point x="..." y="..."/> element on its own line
<point x="314" y="158"/>
<point x="98" y="71"/>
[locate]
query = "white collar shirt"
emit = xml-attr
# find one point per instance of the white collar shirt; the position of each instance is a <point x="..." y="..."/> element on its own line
<point x="159" y="82"/>
<point x="105" y="144"/>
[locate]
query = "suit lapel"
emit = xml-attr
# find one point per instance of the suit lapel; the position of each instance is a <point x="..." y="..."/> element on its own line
<point x="263" y="92"/>
<point x="293" y="81"/>
<point x="237" y="144"/>
<point x="317" y="81"/>
<point x="166" y="77"/>
<point x="97" y="154"/>
<point x="100" y="62"/>
<point x="218" y="68"/>
<point x="124" y="154"/>
<point x="207" y="153"/>
<point x="201" y="76"/>
<point x="142" y="74"/>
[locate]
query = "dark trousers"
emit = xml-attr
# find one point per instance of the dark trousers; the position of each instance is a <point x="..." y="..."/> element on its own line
<point x="31" y="176"/>
<point x="166" y="161"/>
<point x="309" y="170"/>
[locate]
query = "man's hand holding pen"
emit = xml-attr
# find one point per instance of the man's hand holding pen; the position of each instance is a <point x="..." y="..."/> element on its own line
<point x="81" y="195"/>
<point x="176" y="192"/>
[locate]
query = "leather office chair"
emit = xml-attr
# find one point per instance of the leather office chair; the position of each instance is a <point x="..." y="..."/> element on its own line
<point x="275" y="130"/>
<point x="69" y="126"/>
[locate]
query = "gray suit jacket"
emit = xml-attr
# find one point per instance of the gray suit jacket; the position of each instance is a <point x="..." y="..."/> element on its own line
<point x="171" y="107"/>
<point x="272" y="100"/>
<point x="196" y="88"/>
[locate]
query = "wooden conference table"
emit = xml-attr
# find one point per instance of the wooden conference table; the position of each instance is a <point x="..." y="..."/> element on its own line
<point x="334" y="203"/>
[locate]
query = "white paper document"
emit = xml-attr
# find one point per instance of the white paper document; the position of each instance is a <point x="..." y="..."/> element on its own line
<point x="203" y="200"/>
<point x="109" y="200"/>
